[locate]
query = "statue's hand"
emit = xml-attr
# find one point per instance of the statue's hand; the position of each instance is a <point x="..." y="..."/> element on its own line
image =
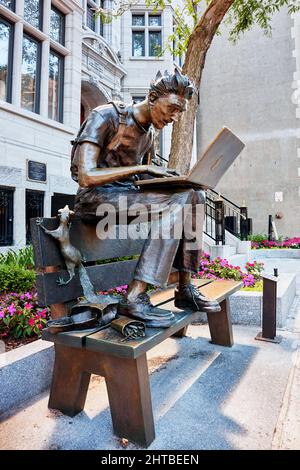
<point x="162" y="171"/>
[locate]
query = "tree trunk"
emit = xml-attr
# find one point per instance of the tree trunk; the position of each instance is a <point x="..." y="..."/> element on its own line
<point x="199" y="43"/>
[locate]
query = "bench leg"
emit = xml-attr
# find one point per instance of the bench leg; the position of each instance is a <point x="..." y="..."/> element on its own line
<point x="181" y="333"/>
<point x="220" y="325"/>
<point x="128" y="388"/>
<point x="69" y="382"/>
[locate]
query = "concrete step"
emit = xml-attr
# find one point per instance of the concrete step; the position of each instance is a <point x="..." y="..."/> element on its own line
<point x="237" y="260"/>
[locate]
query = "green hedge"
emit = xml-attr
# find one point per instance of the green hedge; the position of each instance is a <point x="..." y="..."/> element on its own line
<point x="22" y="257"/>
<point x="16" y="279"/>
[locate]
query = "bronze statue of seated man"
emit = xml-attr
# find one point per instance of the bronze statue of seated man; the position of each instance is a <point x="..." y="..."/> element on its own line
<point x="108" y="157"/>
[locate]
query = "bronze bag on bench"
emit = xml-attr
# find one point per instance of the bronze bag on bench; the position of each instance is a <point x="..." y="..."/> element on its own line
<point x="85" y="315"/>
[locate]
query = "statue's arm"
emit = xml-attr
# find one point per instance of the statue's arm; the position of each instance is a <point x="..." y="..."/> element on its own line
<point x="89" y="175"/>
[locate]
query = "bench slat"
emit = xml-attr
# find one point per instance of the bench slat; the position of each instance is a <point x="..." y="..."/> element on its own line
<point x="84" y="237"/>
<point x="220" y="290"/>
<point x="166" y="295"/>
<point x="110" y="341"/>
<point x="103" y="277"/>
<point x="74" y="339"/>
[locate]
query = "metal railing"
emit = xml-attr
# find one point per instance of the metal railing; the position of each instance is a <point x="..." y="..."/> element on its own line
<point x="220" y="214"/>
<point x="225" y="216"/>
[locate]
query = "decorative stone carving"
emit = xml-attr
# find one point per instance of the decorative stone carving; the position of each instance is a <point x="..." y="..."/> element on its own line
<point x="99" y="47"/>
<point x="92" y="64"/>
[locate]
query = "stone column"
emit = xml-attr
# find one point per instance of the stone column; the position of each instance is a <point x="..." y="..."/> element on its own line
<point x="72" y="91"/>
<point x="19" y="217"/>
<point x="47" y="203"/>
<point x="107" y="27"/>
<point x="17" y="64"/>
<point x="44" y="78"/>
<point x="84" y="6"/>
<point x="45" y="60"/>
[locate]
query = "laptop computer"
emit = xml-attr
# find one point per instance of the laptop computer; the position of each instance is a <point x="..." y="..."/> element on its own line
<point x="209" y="169"/>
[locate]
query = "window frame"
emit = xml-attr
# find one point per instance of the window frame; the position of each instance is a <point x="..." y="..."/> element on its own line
<point x="142" y="31"/>
<point x="60" y="85"/>
<point x="63" y="32"/>
<point x="149" y="43"/>
<point x="146" y="29"/>
<point x="99" y="30"/>
<point x="9" y="59"/>
<point x="13" y="5"/>
<point x="38" y="74"/>
<point x="156" y="15"/>
<point x="41" y="15"/>
<point x="138" y="25"/>
<point x="91" y="4"/>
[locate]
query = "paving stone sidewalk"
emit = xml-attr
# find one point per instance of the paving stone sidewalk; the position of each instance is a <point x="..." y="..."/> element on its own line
<point x="204" y="397"/>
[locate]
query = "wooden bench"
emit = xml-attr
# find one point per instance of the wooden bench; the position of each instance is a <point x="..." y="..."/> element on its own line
<point x="122" y="363"/>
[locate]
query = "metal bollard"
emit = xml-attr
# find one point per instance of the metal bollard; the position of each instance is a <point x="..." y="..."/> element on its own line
<point x="219" y="221"/>
<point x="268" y="332"/>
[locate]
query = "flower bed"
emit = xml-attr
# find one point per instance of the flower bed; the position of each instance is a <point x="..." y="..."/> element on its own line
<point x="20" y="316"/>
<point x="222" y="269"/>
<point x="21" y="320"/>
<point x="293" y="243"/>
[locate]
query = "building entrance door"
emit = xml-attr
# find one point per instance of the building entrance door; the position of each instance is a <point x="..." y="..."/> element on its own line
<point x="6" y="216"/>
<point x="34" y="208"/>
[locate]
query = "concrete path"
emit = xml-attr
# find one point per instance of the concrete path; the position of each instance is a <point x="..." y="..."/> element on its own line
<point x="204" y="397"/>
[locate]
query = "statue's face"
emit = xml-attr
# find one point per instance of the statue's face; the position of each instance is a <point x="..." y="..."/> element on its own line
<point x="166" y="109"/>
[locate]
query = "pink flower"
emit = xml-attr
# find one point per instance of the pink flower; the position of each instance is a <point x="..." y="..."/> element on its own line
<point x="224" y="263"/>
<point x="28" y="306"/>
<point x="11" y="309"/>
<point x="2" y="314"/>
<point x="28" y="295"/>
<point x="43" y="313"/>
<point x="40" y="326"/>
<point x="31" y="322"/>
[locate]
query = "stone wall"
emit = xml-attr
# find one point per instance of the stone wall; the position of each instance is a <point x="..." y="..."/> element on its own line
<point x="248" y="88"/>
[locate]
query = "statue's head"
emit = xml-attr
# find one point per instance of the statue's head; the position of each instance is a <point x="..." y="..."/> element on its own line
<point x="168" y="97"/>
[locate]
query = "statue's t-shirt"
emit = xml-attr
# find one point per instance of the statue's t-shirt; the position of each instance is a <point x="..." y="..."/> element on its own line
<point x="121" y="145"/>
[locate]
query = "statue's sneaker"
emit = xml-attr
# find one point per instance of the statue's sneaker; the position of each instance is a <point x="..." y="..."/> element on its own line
<point x="188" y="296"/>
<point x="142" y="309"/>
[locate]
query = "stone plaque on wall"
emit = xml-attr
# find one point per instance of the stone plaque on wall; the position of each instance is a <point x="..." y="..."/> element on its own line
<point x="36" y="171"/>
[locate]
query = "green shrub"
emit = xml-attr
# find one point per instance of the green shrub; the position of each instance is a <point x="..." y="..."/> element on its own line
<point x="22" y="258"/>
<point x="258" y="238"/>
<point x="16" y="279"/>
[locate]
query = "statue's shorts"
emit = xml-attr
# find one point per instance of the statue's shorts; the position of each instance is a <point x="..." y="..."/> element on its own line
<point x="175" y="232"/>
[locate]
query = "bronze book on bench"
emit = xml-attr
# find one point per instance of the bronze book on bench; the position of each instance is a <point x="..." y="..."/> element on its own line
<point x="210" y="167"/>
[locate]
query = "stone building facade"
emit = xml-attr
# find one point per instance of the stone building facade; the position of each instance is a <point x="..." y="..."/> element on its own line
<point x="40" y="84"/>
<point x="253" y="88"/>
<point x="57" y="62"/>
